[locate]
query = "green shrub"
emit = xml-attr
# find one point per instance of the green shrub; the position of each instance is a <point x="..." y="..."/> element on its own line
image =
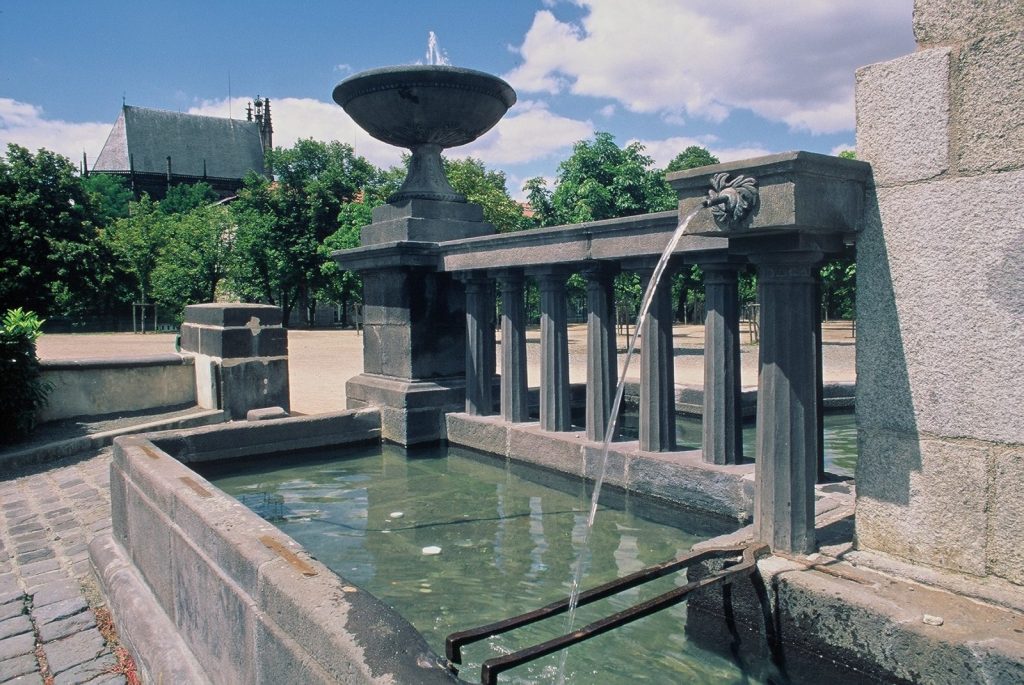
<point x="23" y="391"/>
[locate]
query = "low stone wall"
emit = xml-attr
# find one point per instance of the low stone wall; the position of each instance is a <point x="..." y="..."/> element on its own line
<point x="92" y="387"/>
<point x="837" y="619"/>
<point x="681" y="478"/>
<point x="204" y="590"/>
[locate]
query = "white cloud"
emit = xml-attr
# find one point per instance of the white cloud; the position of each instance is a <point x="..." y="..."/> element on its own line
<point x="28" y="126"/>
<point x="529" y="132"/>
<point x="793" y="65"/>
<point x="664" y="150"/>
<point x="608" y="111"/>
<point x="843" y="148"/>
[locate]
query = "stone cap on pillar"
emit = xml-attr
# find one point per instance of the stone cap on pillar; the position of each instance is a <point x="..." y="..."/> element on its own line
<point x="433" y="221"/>
<point x="407" y="254"/>
<point x="232" y="314"/>
<point x="234" y="331"/>
<point x="801" y="192"/>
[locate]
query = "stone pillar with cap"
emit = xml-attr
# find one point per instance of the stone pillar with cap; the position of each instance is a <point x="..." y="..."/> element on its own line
<point x="513" y="346"/>
<point x="788" y="435"/>
<point x="479" y="344"/>
<point x="657" y="367"/>
<point x="722" y="425"/>
<point x="601" y="352"/>
<point x="554" y="350"/>
<point x="241" y="356"/>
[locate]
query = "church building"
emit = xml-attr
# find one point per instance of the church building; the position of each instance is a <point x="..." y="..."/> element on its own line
<point x="156" y="149"/>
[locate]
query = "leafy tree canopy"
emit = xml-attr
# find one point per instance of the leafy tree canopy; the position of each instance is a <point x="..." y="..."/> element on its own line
<point x="600" y="180"/>
<point x="691" y="158"/>
<point x="46" y="224"/>
<point x="110" y="196"/>
<point x="278" y="255"/>
<point x="486" y="188"/>
<point x="185" y="197"/>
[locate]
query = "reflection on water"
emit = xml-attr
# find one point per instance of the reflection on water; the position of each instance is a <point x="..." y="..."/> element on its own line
<point x="510" y="537"/>
<point x="508" y="541"/>
<point x="840" y="438"/>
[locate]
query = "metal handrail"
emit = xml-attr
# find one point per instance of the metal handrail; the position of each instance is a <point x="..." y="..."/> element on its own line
<point x="747" y="564"/>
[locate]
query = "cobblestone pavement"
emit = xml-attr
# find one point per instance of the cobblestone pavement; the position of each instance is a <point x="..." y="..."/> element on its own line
<point x="48" y="630"/>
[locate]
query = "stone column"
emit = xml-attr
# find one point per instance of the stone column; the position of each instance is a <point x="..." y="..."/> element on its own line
<point x="241" y="353"/>
<point x="513" y="347"/>
<point x="819" y="383"/>
<point x="479" y="344"/>
<point x="601" y="359"/>
<point x="787" y="405"/>
<point x="554" y="351"/>
<point x="722" y="422"/>
<point x="657" y="369"/>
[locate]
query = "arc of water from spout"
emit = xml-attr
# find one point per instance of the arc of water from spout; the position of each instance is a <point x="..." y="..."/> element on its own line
<point x="613" y="421"/>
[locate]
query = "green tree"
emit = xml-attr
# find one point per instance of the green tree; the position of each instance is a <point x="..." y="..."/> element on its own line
<point x="486" y="188"/>
<point x="340" y="285"/>
<point x="600" y="180"/>
<point x="136" y="241"/>
<point x="185" y="197"/>
<point x="691" y="158"/>
<point x="110" y="197"/>
<point x="282" y="226"/>
<point x="192" y="258"/>
<point x="46" y="227"/>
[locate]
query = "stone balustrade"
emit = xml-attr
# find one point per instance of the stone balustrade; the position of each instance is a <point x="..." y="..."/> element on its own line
<point x="786" y="237"/>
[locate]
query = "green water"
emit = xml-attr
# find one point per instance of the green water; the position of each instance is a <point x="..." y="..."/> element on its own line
<point x="840" y="438"/>
<point x="509" y="538"/>
<point x="509" y="542"/>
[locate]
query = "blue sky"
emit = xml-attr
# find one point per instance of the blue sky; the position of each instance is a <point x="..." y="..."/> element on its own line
<point x="743" y="78"/>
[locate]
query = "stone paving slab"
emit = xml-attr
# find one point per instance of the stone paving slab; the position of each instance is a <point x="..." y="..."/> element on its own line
<point x="46" y="521"/>
<point x="18" y="666"/>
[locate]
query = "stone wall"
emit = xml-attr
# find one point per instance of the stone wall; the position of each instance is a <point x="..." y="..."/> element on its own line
<point x="940" y="307"/>
<point x="94" y="387"/>
<point x="205" y="591"/>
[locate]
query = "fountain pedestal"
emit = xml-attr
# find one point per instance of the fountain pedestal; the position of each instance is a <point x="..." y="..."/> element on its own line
<point x="414" y="314"/>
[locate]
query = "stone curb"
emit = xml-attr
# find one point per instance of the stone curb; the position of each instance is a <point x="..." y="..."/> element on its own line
<point x="54" y="451"/>
<point x="140" y="620"/>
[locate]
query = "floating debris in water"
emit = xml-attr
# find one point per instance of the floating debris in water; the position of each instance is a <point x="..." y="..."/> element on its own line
<point x="396" y="515"/>
<point x="431" y="550"/>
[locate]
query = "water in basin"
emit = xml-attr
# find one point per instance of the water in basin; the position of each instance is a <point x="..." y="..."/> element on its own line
<point x="508" y="539"/>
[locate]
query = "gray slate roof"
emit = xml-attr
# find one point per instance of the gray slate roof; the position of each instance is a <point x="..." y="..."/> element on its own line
<point x="231" y="148"/>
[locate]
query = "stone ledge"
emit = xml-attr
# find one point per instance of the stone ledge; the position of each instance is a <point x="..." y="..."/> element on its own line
<point x="269" y="436"/>
<point x="680" y="478"/>
<point x="246" y="600"/>
<point x="115" y="363"/>
<point x="141" y="622"/>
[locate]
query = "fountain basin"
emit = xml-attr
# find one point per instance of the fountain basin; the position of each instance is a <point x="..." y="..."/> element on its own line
<point x="425" y="108"/>
<point x="204" y="590"/>
<point x="417" y="105"/>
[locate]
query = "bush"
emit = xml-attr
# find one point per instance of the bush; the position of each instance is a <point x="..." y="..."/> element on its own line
<point x="24" y="392"/>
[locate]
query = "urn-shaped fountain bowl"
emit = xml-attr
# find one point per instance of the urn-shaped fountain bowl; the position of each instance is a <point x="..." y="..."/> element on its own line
<point x="425" y="108"/>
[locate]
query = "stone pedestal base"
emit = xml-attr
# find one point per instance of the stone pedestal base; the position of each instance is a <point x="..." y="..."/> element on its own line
<point x="241" y="356"/>
<point x="411" y="412"/>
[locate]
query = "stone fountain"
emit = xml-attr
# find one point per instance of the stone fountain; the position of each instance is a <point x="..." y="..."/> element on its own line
<point x="414" y="315"/>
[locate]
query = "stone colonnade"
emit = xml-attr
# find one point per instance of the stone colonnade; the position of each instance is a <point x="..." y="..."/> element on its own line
<point x="790" y="321"/>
